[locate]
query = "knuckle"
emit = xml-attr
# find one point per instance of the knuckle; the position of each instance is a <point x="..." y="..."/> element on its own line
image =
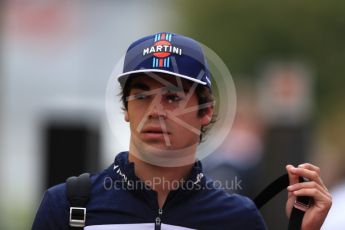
<point x="313" y="184"/>
<point x="317" y="169"/>
<point x="314" y="192"/>
<point x="307" y="164"/>
<point x="302" y="165"/>
<point x="313" y="175"/>
<point x="330" y="201"/>
<point x="310" y="165"/>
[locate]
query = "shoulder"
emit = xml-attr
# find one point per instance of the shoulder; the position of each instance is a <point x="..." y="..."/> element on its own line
<point x="232" y="210"/>
<point x="232" y="202"/>
<point x="218" y="193"/>
<point x="53" y="210"/>
<point x="58" y="192"/>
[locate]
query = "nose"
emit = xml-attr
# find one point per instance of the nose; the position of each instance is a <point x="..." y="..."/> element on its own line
<point x="157" y="112"/>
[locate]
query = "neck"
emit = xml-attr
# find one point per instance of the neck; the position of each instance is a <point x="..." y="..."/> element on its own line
<point x="160" y="179"/>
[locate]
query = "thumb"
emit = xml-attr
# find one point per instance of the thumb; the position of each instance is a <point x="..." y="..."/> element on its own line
<point x="293" y="178"/>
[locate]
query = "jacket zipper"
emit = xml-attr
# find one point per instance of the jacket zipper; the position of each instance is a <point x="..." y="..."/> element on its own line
<point x="158" y="220"/>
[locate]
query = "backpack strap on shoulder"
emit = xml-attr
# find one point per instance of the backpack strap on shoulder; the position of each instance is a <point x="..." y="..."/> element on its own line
<point x="276" y="187"/>
<point x="78" y="191"/>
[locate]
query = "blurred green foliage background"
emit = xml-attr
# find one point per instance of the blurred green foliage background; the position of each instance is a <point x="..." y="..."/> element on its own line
<point x="247" y="33"/>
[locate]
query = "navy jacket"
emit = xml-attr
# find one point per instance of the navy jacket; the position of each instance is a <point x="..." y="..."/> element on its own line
<point x="119" y="200"/>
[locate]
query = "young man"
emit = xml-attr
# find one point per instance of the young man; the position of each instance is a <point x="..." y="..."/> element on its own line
<point x="159" y="184"/>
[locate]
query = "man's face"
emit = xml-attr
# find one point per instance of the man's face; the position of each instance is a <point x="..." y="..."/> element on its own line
<point x="163" y="112"/>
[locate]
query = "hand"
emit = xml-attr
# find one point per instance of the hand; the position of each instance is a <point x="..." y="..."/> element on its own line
<point x="322" y="200"/>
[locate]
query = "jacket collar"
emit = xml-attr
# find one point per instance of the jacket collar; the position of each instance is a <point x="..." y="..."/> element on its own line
<point x="123" y="170"/>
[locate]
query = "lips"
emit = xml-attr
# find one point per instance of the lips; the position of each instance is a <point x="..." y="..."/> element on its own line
<point x="154" y="130"/>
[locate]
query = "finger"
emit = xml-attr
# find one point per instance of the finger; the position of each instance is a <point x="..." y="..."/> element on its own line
<point x="313" y="168"/>
<point x="304" y="185"/>
<point x="318" y="196"/>
<point x="310" y="167"/>
<point x="293" y="178"/>
<point x="311" y="192"/>
<point x="311" y="175"/>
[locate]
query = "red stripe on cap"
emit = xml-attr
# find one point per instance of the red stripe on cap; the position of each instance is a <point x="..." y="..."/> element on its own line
<point x="161" y="54"/>
<point x="160" y="62"/>
<point x="163" y="37"/>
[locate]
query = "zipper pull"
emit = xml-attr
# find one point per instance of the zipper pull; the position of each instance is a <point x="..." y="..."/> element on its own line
<point x="158" y="221"/>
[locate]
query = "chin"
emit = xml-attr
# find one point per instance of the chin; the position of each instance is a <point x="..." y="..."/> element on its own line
<point x="160" y="155"/>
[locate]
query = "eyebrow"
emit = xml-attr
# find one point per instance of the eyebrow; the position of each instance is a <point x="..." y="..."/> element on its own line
<point x="139" y="85"/>
<point x="175" y="89"/>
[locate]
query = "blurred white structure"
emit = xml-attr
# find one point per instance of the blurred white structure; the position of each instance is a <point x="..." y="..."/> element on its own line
<point x="58" y="56"/>
<point x="335" y="219"/>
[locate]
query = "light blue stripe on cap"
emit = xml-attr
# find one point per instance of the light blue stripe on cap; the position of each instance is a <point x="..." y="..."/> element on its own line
<point x="153" y="62"/>
<point x="168" y="62"/>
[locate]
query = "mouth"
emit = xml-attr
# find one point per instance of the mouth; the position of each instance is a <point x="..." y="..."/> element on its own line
<point x="155" y="131"/>
<point x="156" y="135"/>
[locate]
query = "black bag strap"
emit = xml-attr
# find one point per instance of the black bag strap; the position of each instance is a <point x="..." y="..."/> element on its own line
<point x="78" y="191"/>
<point x="277" y="186"/>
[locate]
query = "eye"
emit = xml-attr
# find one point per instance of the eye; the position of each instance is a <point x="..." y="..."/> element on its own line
<point x="173" y="98"/>
<point x="140" y="96"/>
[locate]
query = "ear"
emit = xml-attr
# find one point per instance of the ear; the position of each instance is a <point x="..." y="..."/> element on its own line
<point x="207" y="116"/>
<point x="126" y="116"/>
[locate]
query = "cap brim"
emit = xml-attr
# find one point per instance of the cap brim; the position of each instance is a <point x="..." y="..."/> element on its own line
<point x="123" y="77"/>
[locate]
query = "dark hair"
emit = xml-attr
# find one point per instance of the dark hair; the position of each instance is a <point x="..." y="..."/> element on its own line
<point x="204" y="96"/>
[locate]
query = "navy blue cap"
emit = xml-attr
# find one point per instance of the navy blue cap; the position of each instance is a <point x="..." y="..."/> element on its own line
<point x="167" y="53"/>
